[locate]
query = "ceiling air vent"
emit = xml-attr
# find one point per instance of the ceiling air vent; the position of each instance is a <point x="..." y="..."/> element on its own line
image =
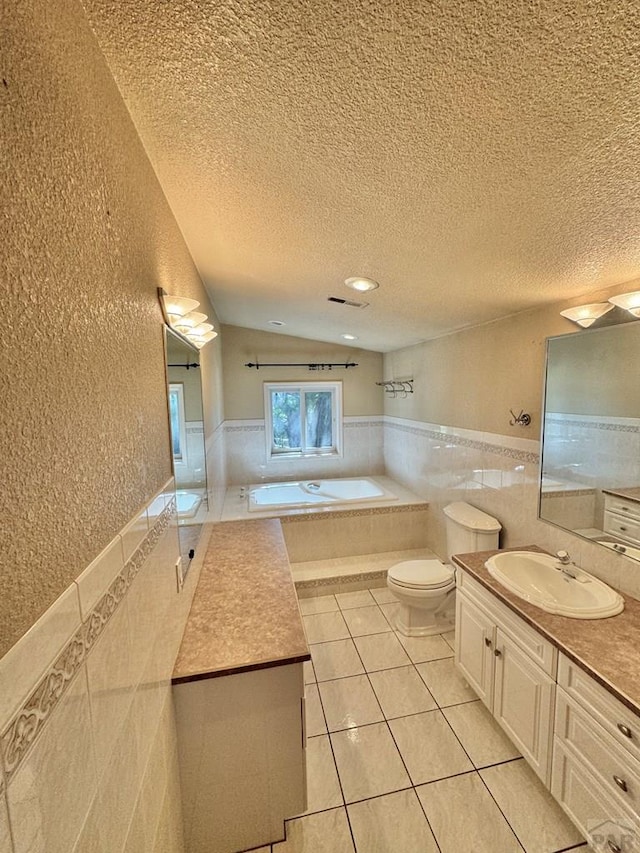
<point x="349" y="302"/>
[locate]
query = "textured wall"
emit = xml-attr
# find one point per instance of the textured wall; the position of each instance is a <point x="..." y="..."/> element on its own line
<point x="87" y="238"/>
<point x="243" y="387"/>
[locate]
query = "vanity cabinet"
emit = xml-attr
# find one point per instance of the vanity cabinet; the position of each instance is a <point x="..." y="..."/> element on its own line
<point x="242" y="757"/>
<point x="622" y="518"/>
<point x="596" y="761"/>
<point x="512" y="669"/>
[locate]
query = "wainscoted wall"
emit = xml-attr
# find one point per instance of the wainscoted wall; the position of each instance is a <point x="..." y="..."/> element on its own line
<point x="495" y="473"/>
<point x="217" y="479"/>
<point x="87" y="733"/>
<point x="247" y="456"/>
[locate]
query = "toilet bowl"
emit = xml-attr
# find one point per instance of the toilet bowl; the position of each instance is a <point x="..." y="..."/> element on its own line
<point x="425" y="589"/>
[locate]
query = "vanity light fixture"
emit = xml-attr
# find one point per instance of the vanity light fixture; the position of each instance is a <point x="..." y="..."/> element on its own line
<point x="586" y="315"/>
<point x="361" y="284"/>
<point x="629" y="301"/>
<point x="180" y="315"/>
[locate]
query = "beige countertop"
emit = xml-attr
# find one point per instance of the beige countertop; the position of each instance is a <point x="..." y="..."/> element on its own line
<point x="245" y="612"/>
<point x="607" y="649"/>
<point x="631" y="494"/>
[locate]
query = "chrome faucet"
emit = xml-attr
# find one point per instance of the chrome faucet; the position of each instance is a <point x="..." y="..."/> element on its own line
<point x="565" y="561"/>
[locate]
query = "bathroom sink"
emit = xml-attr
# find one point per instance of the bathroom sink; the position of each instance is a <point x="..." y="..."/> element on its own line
<point x="540" y="579"/>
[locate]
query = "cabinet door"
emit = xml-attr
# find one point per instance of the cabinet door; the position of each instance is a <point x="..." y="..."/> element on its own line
<point x="474" y="647"/>
<point x="524" y="699"/>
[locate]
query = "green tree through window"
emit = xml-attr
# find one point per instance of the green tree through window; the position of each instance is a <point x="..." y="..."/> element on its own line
<point x="303" y="419"/>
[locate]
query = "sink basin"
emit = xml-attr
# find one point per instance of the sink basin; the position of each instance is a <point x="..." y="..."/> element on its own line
<point x="538" y="578"/>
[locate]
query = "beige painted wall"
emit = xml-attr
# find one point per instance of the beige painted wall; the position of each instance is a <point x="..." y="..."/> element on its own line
<point x="87" y="239"/>
<point x="596" y="373"/>
<point x="243" y="387"/>
<point x="472" y="378"/>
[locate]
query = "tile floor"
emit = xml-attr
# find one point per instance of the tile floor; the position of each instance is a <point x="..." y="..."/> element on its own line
<point x="402" y="757"/>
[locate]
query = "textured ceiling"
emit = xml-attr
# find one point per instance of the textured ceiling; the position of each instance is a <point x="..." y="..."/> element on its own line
<point x="477" y="158"/>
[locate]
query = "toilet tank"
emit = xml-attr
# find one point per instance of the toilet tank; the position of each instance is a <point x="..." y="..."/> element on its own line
<point x="470" y="529"/>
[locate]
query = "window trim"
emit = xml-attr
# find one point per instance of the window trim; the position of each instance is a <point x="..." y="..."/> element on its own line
<point x="177" y="388"/>
<point x="336" y="418"/>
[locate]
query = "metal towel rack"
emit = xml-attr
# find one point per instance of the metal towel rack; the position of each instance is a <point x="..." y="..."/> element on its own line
<point x="397" y="387"/>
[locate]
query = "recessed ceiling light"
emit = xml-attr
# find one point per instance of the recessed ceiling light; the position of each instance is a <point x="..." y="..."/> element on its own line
<point x="349" y="337"/>
<point x="361" y="284"/>
<point x="276" y="323"/>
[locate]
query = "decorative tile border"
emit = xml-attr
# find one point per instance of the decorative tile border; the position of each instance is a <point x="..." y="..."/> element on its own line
<point x="332" y="580"/>
<point x="459" y="441"/>
<point x="28" y="722"/>
<point x="354" y="513"/>
<point x="589" y="424"/>
<point x="358" y="424"/>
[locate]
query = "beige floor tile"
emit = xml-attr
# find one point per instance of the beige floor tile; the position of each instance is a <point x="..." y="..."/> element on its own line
<point x="450" y="638"/>
<point x="368" y="762"/>
<point x="323" y="787"/>
<point x="464" y="817"/>
<point x="542" y="826"/>
<point x="365" y="620"/>
<point x="327" y="832"/>
<point x="358" y="598"/>
<point x="390" y="611"/>
<point x="309" y="672"/>
<point x="394" y="823"/>
<point x="429" y="748"/>
<point x="324" y="627"/>
<point x="445" y="682"/>
<point x="318" y="604"/>
<point x="381" y="651"/>
<point x="422" y="649"/>
<point x="383" y="595"/>
<point x="481" y="736"/>
<point x="314" y="716"/>
<point x="401" y="692"/>
<point x="336" y="660"/>
<point x="349" y="702"/>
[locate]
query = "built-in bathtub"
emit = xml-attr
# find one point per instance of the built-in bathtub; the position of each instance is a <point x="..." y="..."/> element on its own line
<point x="316" y="493"/>
<point x="188" y="503"/>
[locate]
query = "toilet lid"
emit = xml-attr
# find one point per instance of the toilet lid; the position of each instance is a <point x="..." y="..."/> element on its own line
<point x="418" y="574"/>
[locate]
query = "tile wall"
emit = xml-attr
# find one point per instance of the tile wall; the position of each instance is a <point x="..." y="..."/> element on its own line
<point x="87" y="735"/>
<point x="497" y="474"/>
<point x="191" y="474"/>
<point x="247" y="456"/>
<point x="216" y="462"/>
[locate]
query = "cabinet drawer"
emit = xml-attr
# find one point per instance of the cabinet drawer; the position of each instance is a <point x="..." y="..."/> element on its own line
<point x="622" y="506"/>
<point x="541" y="651"/>
<point x="618" y="771"/>
<point x="599" y="817"/>
<point x="627" y="528"/>
<point x="618" y="720"/>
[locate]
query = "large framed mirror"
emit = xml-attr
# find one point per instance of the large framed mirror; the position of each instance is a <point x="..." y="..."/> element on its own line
<point x="590" y="460"/>
<point x="184" y="390"/>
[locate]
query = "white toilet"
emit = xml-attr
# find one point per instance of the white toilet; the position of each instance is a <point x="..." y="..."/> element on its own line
<point x="425" y="589"/>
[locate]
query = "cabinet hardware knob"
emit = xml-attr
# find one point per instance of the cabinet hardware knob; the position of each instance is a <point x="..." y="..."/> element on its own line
<point x="497" y="653"/>
<point x="487" y="642"/>
<point x="624" y="529"/>
<point x="620" y="783"/>
<point x="615" y="848"/>
<point x="626" y="731"/>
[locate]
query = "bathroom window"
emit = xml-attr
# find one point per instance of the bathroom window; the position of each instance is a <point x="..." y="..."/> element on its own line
<point x="178" y="423"/>
<point x="303" y="419"/>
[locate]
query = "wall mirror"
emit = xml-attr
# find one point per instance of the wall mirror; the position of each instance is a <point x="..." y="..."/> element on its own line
<point x="187" y="438"/>
<point x="590" y="460"/>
